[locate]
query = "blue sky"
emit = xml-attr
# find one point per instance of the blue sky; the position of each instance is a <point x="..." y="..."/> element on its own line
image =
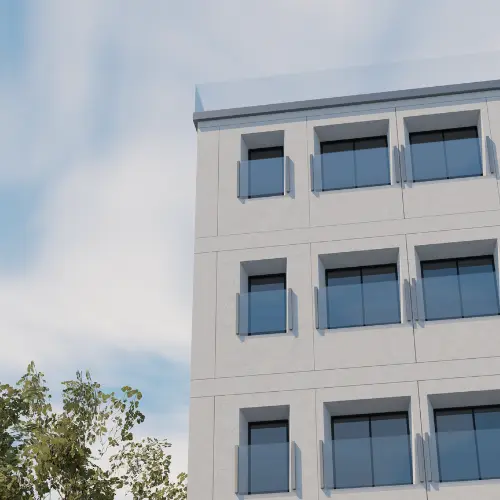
<point x="97" y="162"/>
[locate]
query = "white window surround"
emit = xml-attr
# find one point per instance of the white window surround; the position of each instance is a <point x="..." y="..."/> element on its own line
<point x="447" y="245"/>
<point x="439" y="117"/>
<point x="360" y="125"/>
<point x="369" y="399"/>
<point x="455" y="393"/>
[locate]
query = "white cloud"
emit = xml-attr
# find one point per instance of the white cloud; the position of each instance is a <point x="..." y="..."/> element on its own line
<point x="101" y="111"/>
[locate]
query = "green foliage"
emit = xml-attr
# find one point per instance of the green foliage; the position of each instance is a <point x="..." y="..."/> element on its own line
<point x="85" y="451"/>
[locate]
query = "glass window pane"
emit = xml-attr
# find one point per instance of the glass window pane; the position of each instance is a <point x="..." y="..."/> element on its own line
<point x="372" y="162"/>
<point x="268" y="432"/>
<point x="488" y="441"/>
<point x="337" y="162"/>
<point x="352" y="453"/>
<point x="266" y="304"/>
<point x="266" y="283"/>
<point x="441" y="290"/>
<point x="391" y="450"/>
<point x="463" y="158"/>
<point x="456" y="445"/>
<point x="427" y="156"/>
<point x="265" y="153"/>
<point x="268" y="458"/>
<point x="344" y="298"/>
<point x="380" y="295"/>
<point x="478" y="287"/>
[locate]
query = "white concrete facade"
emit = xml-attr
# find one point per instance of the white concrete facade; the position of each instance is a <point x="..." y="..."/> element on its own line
<point x="415" y="366"/>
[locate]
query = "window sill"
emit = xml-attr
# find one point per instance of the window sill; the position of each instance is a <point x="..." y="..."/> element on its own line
<point x="357" y="189"/>
<point x="451" y="179"/>
<point x="463" y="482"/>
<point x="370" y="489"/>
<point x="263" y="197"/>
<point x="453" y="320"/>
<point x="365" y="327"/>
<point x="267" y="334"/>
<point x="284" y="494"/>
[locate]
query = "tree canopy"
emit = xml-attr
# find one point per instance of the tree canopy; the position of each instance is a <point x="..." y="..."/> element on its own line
<point x="83" y="450"/>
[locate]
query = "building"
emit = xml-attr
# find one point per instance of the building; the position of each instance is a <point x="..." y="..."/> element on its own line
<point x="346" y="329"/>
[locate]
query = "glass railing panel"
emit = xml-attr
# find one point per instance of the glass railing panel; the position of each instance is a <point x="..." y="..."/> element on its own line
<point x="261" y="178"/>
<point x="349" y="305"/>
<point x="263" y="468"/>
<point x="348" y="169"/>
<point x="262" y="312"/>
<point x="457" y="455"/>
<point x="446" y="298"/>
<point x="468" y="455"/>
<point x="367" y="462"/>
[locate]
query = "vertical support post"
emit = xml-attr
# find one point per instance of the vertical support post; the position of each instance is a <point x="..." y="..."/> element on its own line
<point x="402" y="160"/>
<point x="490" y="148"/>
<point x="311" y="165"/>
<point x="237" y="314"/>
<point x="316" y="306"/>
<point x="414" y="288"/>
<point x="321" y="466"/>
<point x="236" y="470"/>
<point x="287" y="175"/>
<point x="408" y="301"/>
<point x="238" y="168"/>
<point x="293" y="482"/>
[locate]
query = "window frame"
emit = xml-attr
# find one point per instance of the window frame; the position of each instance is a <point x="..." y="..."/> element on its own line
<point x="456" y="260"/>
<point x="353" y="143"/>
<point x="273" y="423"/>
<point x="270" y="148"/>
<point x="369" y="416"/>
<point x="261" y="276"/>
<point x="442" y="133"/>
<point x="472" y="409"/>
<point x="360" y="268"/>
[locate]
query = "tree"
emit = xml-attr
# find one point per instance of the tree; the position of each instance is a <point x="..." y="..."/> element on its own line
<point x="84" y="451"/>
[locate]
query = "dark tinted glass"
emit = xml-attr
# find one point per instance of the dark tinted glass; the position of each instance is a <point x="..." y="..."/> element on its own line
<point x="268" y="432"/>
<point x="391" y="450"/>
<point x="362" y="296"/>
<point x="268" y="457"/>
<point x="380" y="295"/>
<point x="355" y="163"/>
<point x="441" y="290"/>
<point x="487" y="422"/>
<point x="463" y="158"/>
<point x="445" y="154"/>
<point x="456" y="445"/>
<point x="428" y="156"/>
<point x="337" y="162"/>
<point x="266" y="304"/>
<point x="344" y="298"/>
<point x="372" y="162"/>
<point x="458" y="288"/>
<point x="478" y="286"/>
<point x="371" y="451"/>
<point x="352" y="452"/>
<point x="265" y="171"/>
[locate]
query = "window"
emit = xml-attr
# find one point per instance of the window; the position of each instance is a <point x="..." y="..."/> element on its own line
<point x="371" y="450"/>
<point x="263" y="174"/>
<point x="445" y="154"/>
<point x="459" y="288"/>
<point x="355" y="163"/>
<point x="268" y="457"/>
<point x="267" y="304"/>
<point x="362" y="296"/>
<point x="468" y="443"/>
